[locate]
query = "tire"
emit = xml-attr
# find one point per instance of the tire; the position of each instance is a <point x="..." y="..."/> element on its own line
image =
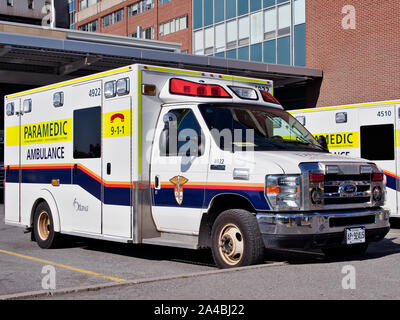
<point x="236" y="240"/>
<point x="43" y="227"/>
<point x="352" y="250"/>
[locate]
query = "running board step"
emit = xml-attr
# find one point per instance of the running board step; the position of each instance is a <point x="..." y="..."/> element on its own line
<point x="174" y="240"/>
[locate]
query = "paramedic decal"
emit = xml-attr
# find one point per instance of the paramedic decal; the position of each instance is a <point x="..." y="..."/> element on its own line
<point x="339" y="140"/>
<point x="178" y="182"/>
<point x="43" y="132"/>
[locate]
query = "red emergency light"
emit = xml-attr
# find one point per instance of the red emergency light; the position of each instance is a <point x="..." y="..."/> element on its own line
<point x="188" y="88"/>
<point x="269" y="97"/>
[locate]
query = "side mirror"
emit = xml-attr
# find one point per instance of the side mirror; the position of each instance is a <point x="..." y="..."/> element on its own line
<point x="322" y="141"/>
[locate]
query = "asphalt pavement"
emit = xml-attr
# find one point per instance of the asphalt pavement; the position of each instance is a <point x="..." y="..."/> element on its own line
<point x="93" y="269"/>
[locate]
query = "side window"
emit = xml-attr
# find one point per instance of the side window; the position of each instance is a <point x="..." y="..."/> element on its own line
<point x="181" y="135"/>
<point x="87" y="133"/>
<point x="377" y="142"/>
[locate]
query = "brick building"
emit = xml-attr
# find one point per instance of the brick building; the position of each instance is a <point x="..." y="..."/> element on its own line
<point x="165" y="20"/>
<point x="360" y="64"/>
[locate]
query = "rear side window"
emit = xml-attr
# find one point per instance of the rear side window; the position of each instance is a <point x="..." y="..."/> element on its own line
<point x="377" y="142"/>
<point x="87" y="133"/>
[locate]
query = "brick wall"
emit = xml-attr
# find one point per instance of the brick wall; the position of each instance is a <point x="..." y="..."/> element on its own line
<point x="150" y="18"/>
<point x="359" y="65"/>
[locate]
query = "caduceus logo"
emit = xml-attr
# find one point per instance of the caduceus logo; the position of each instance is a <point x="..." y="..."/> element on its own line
<point x="178" y="182"/>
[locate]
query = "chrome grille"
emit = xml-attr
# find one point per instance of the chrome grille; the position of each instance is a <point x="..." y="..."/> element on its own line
<point x="333" y="195"/>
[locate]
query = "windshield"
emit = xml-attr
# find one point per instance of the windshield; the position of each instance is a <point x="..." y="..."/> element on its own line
<point x="238" y="127"/>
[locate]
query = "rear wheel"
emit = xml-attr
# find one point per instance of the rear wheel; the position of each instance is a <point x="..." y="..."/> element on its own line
<point x="43" y="227"/>
<point x="236" y="239"/>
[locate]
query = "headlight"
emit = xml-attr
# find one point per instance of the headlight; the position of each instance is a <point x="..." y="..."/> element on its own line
<point x="283" y="192"/>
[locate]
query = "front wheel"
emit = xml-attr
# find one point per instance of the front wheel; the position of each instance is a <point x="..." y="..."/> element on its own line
<point x="236" y="239"/>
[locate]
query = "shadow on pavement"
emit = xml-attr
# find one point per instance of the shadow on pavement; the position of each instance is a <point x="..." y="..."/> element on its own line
<point x="204" y="256"/>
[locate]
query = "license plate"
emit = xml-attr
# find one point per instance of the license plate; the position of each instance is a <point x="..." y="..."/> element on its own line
<point x="356" y="235"/>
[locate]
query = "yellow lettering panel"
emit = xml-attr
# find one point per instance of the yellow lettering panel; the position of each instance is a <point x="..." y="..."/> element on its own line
<point x="42" y="132"/>
<point x="341" y="140"/>
<point x="117" y="124"/>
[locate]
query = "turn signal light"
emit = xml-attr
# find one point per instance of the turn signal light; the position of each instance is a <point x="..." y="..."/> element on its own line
<point x="316" y="177"/>
<point x="377" y="176"/>
<point x="269" y="97"/>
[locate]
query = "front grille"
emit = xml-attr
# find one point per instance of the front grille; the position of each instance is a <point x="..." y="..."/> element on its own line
<point x="334" y="189"/>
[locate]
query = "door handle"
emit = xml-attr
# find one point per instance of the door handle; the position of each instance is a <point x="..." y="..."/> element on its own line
<point x="157" y="184"/>
<point x="108" y="168"/>
<point x="75" y="168"/>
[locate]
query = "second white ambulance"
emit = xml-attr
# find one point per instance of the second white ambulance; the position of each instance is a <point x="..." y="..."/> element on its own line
<point x="147" y="154"/>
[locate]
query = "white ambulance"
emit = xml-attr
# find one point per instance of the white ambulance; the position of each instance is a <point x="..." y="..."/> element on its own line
<point x="155" y="155"/>
<point x="368" y="130"/>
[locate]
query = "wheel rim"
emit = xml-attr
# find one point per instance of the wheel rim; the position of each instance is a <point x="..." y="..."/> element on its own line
<point x="231" y="244"/>
<point x="44" y="225"/>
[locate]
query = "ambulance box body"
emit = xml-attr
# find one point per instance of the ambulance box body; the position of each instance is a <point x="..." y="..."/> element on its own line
<point x="369" y="130"/>
<point x="147" y="154"/>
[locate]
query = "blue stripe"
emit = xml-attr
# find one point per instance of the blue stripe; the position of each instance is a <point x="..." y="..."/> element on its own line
<point x="112" y="195"/>
<point x="200" y="198"/>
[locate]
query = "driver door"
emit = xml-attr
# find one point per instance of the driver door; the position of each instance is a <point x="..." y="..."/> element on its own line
<point x="179" y="170"/>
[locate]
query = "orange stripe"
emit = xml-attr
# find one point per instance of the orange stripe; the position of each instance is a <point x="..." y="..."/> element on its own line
<point x="215" y="185"/>
<point x="391" y="174"/>
<point x="111" y="184"/>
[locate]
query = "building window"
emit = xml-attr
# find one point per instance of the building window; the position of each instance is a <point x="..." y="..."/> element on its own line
<point x="83" y="4"/>
<point x="198" y="42"/>
<point x="220" y="37"/>
<point x="256" y="26"/>
<point x="71" y="12"/>
<point x="173" y="25"/>
<point x="140" y="7"/>
<point x="270" y="23"/>
<point x="230" y="8"/>
<point x="270" y="51"/>
<point x="90" y="27"/>
<point x="112" y="18"/>
<point x="243" y="7"/>
<point x="10" y="3"/>
<point x="219" y="10"/>
<point x="198" y="14"/>
<point x="231" y="34"/>
<point x="208" y="12"/>
<point x="209" y="41"/>
<point x="30" y="4"/>
<point x="244" y="30"/>
<point x="284" y="50"/>
<point x="148" y="33"/>
<point x="160" y="2"/>
<point x="284" y="19"/>
<point x="272" y="30"/>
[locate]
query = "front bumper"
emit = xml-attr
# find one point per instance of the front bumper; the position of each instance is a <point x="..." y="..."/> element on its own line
<point x="320" y="229"/>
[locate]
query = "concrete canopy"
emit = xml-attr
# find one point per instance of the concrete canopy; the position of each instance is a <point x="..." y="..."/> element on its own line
<point x="36" y="56"/>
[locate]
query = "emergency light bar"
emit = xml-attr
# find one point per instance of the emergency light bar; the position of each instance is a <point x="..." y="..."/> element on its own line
<point x="188" y="88"/>
<point x="269" y="97"/>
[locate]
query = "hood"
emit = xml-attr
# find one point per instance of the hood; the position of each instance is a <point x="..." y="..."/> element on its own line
<point x="288" y="161"/>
